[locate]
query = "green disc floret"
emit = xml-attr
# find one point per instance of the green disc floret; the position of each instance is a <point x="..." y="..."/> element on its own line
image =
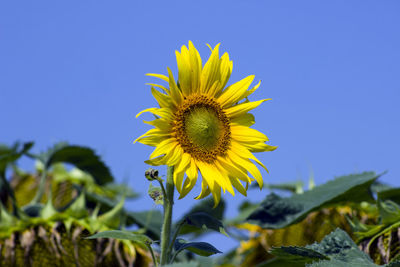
<point x="203" y="127"/>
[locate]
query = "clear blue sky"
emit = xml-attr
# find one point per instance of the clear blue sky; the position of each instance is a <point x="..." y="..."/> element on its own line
<point x="74" y="71"/>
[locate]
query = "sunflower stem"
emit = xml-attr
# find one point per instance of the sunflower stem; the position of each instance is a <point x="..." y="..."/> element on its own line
<point x="166" y="227"/>
<point x="152" y="255"/>
<point x="171" y="245"/>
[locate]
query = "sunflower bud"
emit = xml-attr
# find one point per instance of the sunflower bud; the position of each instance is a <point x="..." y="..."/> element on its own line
<point x="151" y="174"/>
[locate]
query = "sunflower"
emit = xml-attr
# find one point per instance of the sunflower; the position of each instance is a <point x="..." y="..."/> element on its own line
<point x="203" y="126"/>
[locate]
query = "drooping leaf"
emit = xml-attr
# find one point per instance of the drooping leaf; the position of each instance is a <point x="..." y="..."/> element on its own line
<point x="124" y="235"/>
<point x="389" y="211"/>
<point x="151" y="221"/>
<point x="392" y="194"/>
<point x="121" y="189"/>
<point x="113" y="217"/>
<point x="298" y="254"/>
<point x="7" y="220"/>
<point x="205" y="206"/>
<point x="278" y="262"/>
<point x="48" y="210"/>
<point x="204" y="221"/>
<point x="199" y="248"/>
<point x="83" y="158"/>
<point x="9" y="155"/>
<point x="245" y="209"/>
<point x="183" y="264"/>
<point x="77" y="208"/>
<point x="336" y="249"/>
<point x="276" y="212"/>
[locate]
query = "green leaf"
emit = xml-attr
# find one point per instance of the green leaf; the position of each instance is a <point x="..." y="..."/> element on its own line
<point x="394" y="263"/>
<point x="389" y="211"/>
<point x="120" y="189"/>
<point x="6" y="219"/>
<point x="276" y="212"/>
<point x="204" y="221"/>
<point x="151" y="221"/>
<point x="335" y="250"/>
<point x="155" y="192"/>
<point x="205" y="206"/>
<point x="199" y="248"/>
<point x="278" y="262"/>
<point x="124" y="235"/>
<point x="77" y="208"/>
<point x="392" y="194"/>
<point x="113" y="217"/>
<point x="48" y="210"/>
<point x="83" y="158"/>
<point x="183" y="264"/>
<point x="11" y="154"/>
<point x="297" y="254"/>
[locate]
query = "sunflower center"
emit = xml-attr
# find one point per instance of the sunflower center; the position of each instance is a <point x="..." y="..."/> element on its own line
<point x="202" y="128"/>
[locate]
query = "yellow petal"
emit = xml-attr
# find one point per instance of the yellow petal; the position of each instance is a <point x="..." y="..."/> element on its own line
<point x="244" y="152"/>
<point x="174" y="156"/>
<point x="160" y="76"/>
<point x="183" y="164"/>
<point x="240" y="109"/>
<point x="196" y="67"/>
<point x="176" y="95"/>
<point x="147" y="110"/>
<point x="153" y="140"/>
<point x="248" y="165"/>
<point x="225" y="69"/>
<point x="162" y="99"/>
<point x="216" y="193"/>
<point x="161" y="124"/>
<point x="252" y="90"/>
<point x="189" y="69"/>
<point x="165" y="89"/>
<point x="184" y="69"/>
<point x="157" y="161"/>
<point x="246" y="134"/>
<point x="211" y="71"/>
<point x="192" y="171"/>
<point x="259" y="147"/>
<point x="205" y="190"/>
<point x="222" y="177"/>
<point x="151" y="132"/>
<point x="178" y="180"/>
<point x="206" y="173"/>
<point x="234" y="93"/>
<point x="164" y="147"/>
<point x="233" y="170"/>
<point x="246" y="119"/>
<point x="187" y="187"/>
<point x="238" y="185"/>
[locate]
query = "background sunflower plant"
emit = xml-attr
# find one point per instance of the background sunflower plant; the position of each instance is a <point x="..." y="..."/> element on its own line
<point x="65" y="215"/>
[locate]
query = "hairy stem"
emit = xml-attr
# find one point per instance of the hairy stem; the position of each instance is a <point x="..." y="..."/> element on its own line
<point x="178" y="228"/>
<point x="166" y="227"/>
